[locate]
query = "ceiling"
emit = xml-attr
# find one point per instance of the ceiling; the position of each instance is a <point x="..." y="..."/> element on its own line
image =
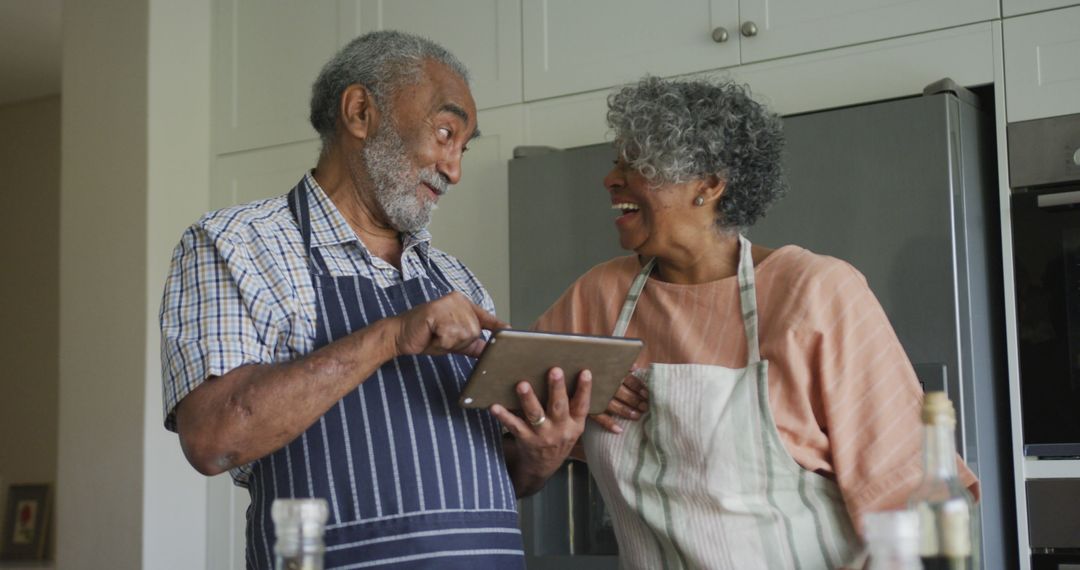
<point x="29" y="49"/>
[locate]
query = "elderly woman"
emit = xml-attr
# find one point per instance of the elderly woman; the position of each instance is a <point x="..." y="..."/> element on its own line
<point x="781" y="405"/>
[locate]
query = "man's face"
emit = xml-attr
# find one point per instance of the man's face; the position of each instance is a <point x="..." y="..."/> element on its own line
<point x="415" y="153"/>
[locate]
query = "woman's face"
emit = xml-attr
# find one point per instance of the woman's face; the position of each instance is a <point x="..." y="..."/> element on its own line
<point x="653" y="221"/>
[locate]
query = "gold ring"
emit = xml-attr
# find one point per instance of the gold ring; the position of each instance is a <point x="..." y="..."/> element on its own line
<point x="538" y="421"/>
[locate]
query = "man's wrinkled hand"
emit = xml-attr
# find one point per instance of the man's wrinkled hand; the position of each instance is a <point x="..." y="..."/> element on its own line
<point x="545" y="436"/>
<point x="452" y="323"/>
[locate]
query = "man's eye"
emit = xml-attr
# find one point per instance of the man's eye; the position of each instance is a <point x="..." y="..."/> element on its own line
<point x="444" y="133"/>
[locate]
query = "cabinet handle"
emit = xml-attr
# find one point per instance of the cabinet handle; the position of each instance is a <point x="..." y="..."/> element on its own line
<point x="748" y="29"/>
<point x="719" y="35"/>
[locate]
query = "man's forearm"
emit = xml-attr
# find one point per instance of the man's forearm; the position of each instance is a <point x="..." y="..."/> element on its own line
<point x="257" y="409"/>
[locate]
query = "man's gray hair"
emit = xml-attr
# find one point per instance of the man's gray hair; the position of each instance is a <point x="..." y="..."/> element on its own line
<point x="674" y="131"/>
<point x="383" y="62"/>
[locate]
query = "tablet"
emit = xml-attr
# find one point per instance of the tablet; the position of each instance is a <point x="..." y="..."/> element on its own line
<point x="512" y="356"/>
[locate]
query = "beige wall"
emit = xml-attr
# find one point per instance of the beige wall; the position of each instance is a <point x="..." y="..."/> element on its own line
<point x="103" y="202"/>
<point x="29" y="294"/>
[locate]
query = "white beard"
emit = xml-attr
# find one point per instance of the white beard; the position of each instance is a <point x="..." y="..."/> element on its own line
<point x="395" y="181"/>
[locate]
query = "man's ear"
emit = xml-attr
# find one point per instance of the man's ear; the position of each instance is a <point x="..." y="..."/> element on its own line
<point x="358" y="113"/>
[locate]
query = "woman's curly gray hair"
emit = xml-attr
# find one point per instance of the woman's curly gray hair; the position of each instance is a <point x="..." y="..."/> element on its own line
<point x="674" y="131"/>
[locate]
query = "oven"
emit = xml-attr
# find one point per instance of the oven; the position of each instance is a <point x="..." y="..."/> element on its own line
<point x="1044" y="161"/>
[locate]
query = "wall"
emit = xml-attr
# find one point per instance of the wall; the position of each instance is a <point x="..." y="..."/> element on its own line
<point x="29" y="295"/>
<point x="102" y="268"/>
<point x="133" y="170"/>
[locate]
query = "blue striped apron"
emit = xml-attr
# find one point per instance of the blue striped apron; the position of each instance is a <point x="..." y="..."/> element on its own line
<point x="412" y="480"/>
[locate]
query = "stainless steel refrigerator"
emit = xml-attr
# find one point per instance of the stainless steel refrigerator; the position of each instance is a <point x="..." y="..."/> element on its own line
<point x="905" y="190"/>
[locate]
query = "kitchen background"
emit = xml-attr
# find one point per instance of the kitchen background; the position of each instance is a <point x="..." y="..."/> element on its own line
<point x="167" y="109"/>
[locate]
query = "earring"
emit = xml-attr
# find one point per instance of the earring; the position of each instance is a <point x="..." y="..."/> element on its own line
<point x="699" y="201"/>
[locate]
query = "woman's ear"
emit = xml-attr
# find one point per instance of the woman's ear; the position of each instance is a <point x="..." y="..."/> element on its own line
<point x="358" y="113"/>
<point x="711" y="188"/>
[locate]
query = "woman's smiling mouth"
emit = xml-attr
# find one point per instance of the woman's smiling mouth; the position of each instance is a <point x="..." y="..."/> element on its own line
<point x="628" y="210"/>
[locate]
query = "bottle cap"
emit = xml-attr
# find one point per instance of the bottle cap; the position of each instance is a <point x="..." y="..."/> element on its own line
<point x="891" y="525"/>
<point x="937" y="409"/>
<point x="298" y="520"/>
<point x="300" y="510"/>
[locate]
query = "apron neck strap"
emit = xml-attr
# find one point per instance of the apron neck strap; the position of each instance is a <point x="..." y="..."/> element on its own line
<point x="298" y="205"/>
<point x="632" y="298"/>
<point x="747" y="299"/>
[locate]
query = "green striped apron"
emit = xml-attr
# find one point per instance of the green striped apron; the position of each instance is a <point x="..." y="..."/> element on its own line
<point x="703" y="480"/>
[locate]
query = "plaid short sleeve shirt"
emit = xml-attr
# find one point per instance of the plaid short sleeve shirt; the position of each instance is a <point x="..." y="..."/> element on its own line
<point x="239" y="290"/>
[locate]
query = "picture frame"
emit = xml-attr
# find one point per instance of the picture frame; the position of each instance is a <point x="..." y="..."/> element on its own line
<point x="26" y="522"/>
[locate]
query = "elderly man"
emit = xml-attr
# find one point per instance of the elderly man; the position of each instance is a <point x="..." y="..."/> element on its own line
<point x="314" y="344"/>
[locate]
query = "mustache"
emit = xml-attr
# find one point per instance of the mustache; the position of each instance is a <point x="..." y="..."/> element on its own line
<point x="436" y="180"/>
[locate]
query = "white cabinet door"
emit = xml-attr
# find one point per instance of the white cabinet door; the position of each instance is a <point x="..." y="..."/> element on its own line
<point x="1042" y="64"/>
<point x="1014" y="7"/>
<point x="263" y="173"/>
<point x="484" y="34"/>
<point x="572" y="46"/>
<point x="265" y="57"/>
<point x="799" y="84"/>
<point x="788" y="27"/>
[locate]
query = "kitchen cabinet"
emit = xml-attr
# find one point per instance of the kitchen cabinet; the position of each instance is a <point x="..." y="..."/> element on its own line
<point x="785" y="27"/>
<point x="243" y="177"/>
<point x="1016" y="7"/>
<point x="484" y="34"/>
<point x="831" y="78"/>
<point x="266" y="56"/>
<point x="1042" y="64"/>
<point x="571" y="47"/>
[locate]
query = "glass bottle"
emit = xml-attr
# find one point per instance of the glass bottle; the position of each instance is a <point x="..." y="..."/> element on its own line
<point x="892" y="540"/>
<point x="299" y="526"/>
<point x="947" y="536"/>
